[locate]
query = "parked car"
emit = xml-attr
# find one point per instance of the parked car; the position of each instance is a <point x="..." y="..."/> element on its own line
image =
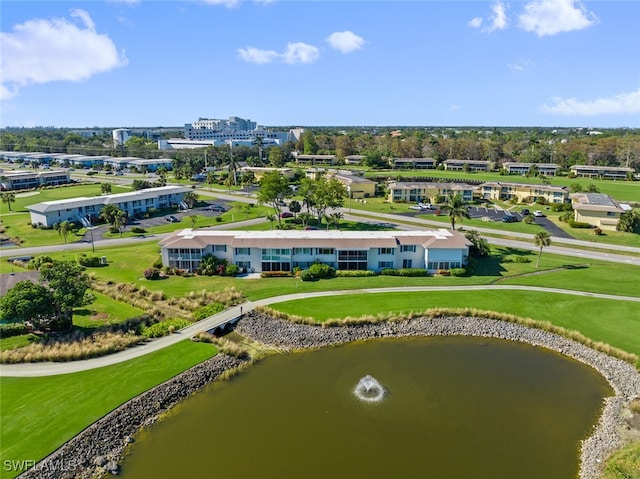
<point x="219" y="208"/>
<point x="525" y="212"/>
<point x="172" y="219"/>
<point x="509" y="219"/>
<point x="286" y="214"/>
<point x="415" y="207"/>
<point x="539" y="214"/>
<point x="427" y="206"/>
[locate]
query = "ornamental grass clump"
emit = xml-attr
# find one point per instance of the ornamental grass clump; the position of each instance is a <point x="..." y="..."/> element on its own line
<point x="71" y="347"/>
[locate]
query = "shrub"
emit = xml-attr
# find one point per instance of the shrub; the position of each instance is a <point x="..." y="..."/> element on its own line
<point x="88" y="261"/>
<point x="13" y="329"/>
<point x="458" y="272"/>
<point x="219" y="219"/>
<point x="152" y="273"/>
<point x="407" y="272"/>
<point x="346" y="273"/>
<point x="305" y="275"/>
<point x="164" y="327"/>
<point x="444" y="272"/>
<point x="114" y="229"/>
<point x="578" y="224"/>
<point x="137" y="230"/>
<point x="276" y="274"/>
<point x="597" y="231"/>
<point x="208" y="310"/>
<point x="158" y="263"/>
<point x="231" y="270"/>
<point x="320" y="270"/>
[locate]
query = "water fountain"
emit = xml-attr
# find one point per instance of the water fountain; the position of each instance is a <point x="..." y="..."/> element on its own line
<point x="369" y="389"/>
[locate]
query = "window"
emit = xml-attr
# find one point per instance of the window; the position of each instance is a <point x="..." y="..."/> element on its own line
<point x="611" y="213"/>
<point x="244" y="265"/>
<point x="385" y="264"/>
<point x="382" y="251"/>
<point x="353" y="259"/>
<point x="220" y="248"/>
<point x="239" y="251"/>
<point x="408" y="248"/>
<point x="326" y="251"/>
<point x="305" y="251"/>
<point x="407" y="263"/>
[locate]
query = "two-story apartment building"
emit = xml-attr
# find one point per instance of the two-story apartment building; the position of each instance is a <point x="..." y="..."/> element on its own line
<point x="606" y="172"/>
<point x="514" y="168"/>
<point x="22" y="180"/>
<point x="80" y="209"/>
<point x="523" y="193"/>
<point x="415" y="192"/>
<point x="284" y="250"/>
<point x="597" y="209"/>
<point x="413" y="163"/>
<point x="469" y="165"/>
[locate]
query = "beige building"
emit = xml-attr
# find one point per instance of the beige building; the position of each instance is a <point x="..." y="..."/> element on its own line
<point x="357" y="187"/>
<point x="416" y="192"/>
<point x="523" y="193"/>
<point x="260" y="171"/>
<point x="514" y="168"/>
<point x="597" y="209"/>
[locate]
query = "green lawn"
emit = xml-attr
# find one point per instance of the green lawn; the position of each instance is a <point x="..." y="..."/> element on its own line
<point x="104" y="311"/>
<point x="39" y="414"/>
<point x="614" y="322"/>
<point x="599" y="276"/>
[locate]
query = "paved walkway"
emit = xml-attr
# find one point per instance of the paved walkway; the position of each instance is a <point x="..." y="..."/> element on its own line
<point x="51" y="368"/>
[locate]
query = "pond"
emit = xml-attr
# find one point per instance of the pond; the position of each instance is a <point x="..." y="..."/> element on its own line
<point x="451" y="407"/>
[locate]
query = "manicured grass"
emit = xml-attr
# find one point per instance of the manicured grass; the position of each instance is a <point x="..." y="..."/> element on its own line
<point x="104" y="311"/>
<point x="39" y="414"/>
<point x="613" y="322"/>
<point x="599" y="276"/>
<point x="17" y="341"/>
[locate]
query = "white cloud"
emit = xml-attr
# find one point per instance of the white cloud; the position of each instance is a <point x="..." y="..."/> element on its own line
<point x="618" y="104"/>
<point x="6" y="93"/>
<point x="496" y="21"/>
<point x="42" y="51"/>
<point x="550" y="17"/>
<point x="475" y="22"/>
<point x="345" y="42"/>
<point x="254" y="55"/>
<point x="499" y="18"/>
<point x="295" y="53"/>
<point x="226" y="3"/>
<point x="520" y="65"/>
<point x="299" y="52"/>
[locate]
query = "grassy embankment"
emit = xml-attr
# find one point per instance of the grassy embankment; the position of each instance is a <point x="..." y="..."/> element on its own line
<point x="38" y="415"/>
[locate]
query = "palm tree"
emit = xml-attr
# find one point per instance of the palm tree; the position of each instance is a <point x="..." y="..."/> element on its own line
<point x="271" y="219"/>
<point x="456" y="208"/>
<point x="120" y="220"/>
<point x="8" y="198"/>
<point x="191" y="198"/>
<point x="64" y="229"/>
<point x="541" y="240"/>
<point x="194" y="220"/>
<point x="259" y="143"/>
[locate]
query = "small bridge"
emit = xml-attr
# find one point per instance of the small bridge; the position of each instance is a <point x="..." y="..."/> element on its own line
<point x="224" y="323"/>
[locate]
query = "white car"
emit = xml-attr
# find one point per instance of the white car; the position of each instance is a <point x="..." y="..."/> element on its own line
<point x="539" y="214"/>
<point x="415" y="207"/>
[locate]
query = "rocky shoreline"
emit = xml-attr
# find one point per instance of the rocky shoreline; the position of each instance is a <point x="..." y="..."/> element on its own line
<point x="98" y="449"/>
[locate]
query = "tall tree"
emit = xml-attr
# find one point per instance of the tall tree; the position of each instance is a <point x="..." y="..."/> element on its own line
<point x="321" y="194"/>
<point x="8" y="198"/>
<point x="456" y="209"/>
<point x="541" y="240"/>
<point x="108" y="213"/>
<point x="274" y="188"/>
<point x="66" y="294"/>
<point x="27" y="302"/>
<point x="105" y="188"/>
<point x="64" y="229"/>
<point x="190" y="198"/>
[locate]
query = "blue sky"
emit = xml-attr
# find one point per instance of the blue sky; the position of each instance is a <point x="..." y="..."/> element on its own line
<point x="304" y="63"/>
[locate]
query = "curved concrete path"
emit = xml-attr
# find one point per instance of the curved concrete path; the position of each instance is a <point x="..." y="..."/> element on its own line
<point x="54" y="368"/>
